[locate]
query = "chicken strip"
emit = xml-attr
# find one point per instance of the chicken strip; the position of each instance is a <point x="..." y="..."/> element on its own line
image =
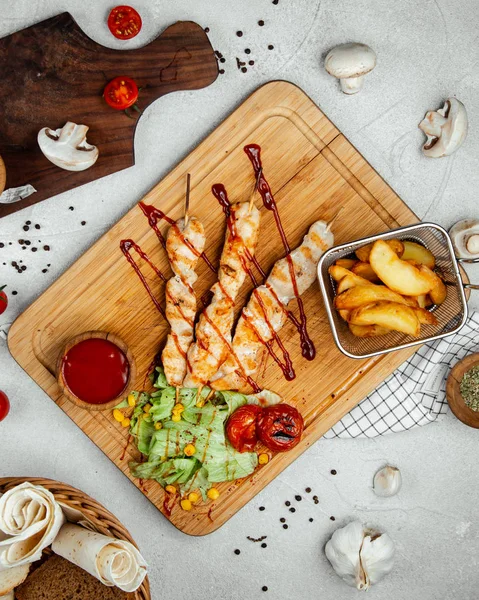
<point x="213" y="330"/>
<point x="266" y="313"/>
<point x="184" y="246"/>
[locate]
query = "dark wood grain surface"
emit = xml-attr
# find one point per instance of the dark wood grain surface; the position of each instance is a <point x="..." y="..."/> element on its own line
<point x="52" y="73"/>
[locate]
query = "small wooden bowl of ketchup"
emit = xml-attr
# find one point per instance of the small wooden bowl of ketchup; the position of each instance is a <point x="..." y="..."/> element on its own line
<point x="95" y="370"/>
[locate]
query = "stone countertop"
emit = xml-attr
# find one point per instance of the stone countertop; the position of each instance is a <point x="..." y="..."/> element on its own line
<point x="427" y="51"/>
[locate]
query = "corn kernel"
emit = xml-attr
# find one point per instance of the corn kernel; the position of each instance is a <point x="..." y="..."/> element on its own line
<point x="186" y="504"/>
<point x="118" y="415"/>
<point x="213" y="494"/>
<point x="170" y="489"/>
<point x="178" y="408"/>
<point x="263" y="459"/>
<point x="147" y="408"/>
<point x="131" y="400"/>
<point x="200" y="403"/>
<point x="176" y="418"/>
<point x="158" y="426"/>
<point x="193" y="497"/>
<point x="189" y="450"/>
<point x="126" y="422"/>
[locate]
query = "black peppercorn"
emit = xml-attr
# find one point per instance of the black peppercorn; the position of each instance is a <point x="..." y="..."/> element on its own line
<point x="237" y="551"/>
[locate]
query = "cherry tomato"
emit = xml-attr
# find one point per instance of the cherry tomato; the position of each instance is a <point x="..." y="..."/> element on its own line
<point x="4" y="405"/>
<point x="121" y="93"/>
<point x="3" y="300"/>
<point x="280" y="427"/>
<point x="124" y="22"/>
<point x="241" y="427"/>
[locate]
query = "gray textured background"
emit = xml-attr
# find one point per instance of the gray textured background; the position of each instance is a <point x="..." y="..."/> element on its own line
<point x="427" y="50"/>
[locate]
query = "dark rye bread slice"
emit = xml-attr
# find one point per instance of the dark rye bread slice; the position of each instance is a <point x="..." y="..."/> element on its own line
<point x="59" y="579"/>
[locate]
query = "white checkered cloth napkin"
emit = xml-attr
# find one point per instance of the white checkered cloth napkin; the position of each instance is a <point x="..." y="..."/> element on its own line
<point x="415" y="394"/>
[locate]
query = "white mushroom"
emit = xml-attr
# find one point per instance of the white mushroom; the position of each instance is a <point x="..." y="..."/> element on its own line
<point x="67" y="147"/>
<point x="465" y="238"/>
<point x="349" y="63"/>
<point x="446" y="129"/>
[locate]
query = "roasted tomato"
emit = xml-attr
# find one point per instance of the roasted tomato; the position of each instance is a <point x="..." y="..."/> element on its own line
<point x="241" y="428"/>
<point x="121" y="93"/>
<point x="3" y="300"/>
<point x="124" y="22"/>
<point x="280" y="427"/>
<point x="4" y="405"/>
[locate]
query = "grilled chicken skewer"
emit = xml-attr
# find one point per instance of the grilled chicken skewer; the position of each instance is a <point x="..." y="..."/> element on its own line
<point x="213" y="330"/>
<point x="184" y="245"/>
<point x="266" y="312"/>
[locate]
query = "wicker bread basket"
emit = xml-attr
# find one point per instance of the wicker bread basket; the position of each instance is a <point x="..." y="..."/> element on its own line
<point x="102" y="519"/>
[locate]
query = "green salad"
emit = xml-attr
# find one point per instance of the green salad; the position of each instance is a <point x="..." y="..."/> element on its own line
<point x="184" y="441"/>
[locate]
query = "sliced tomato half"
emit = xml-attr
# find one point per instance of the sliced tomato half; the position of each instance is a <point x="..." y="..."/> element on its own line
<point x="124" y="22"/>
<point x="121" y="93"/>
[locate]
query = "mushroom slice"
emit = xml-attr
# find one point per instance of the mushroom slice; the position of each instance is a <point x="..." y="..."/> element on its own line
<point x="445" y="128"/>
<point x="349" y="63"/>
<point x="67" y="147"/>
<point x="465" y="238"/>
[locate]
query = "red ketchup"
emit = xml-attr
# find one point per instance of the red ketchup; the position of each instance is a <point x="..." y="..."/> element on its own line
<point x="96" y="370"/>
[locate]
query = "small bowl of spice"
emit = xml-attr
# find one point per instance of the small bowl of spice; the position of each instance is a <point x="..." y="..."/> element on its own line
<point x="95" y="369"/>
<point x="462" y="390"/>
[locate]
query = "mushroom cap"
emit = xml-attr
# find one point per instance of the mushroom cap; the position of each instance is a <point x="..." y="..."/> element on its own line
<point x="460" y="233"/>
<point x="446" y="129"/>
<point x="350" y="60"/>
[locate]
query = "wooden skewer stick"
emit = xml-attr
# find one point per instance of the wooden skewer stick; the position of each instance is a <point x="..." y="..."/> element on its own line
<point x="187" y="199"/>
<point x="329" y="225"/>
<point x="251" y="200"/>
<point x="177" y="395"/>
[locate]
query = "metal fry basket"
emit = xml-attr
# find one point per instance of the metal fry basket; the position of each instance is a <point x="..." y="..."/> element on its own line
<point x="451" y="314"/>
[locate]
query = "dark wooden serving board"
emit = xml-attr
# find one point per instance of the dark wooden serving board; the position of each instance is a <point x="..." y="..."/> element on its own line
<point x="52" y="72"/>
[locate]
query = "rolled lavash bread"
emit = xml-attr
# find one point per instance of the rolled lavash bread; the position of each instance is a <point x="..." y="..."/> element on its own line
<point x="30" y="519"/>
<point x="112" y="561"/>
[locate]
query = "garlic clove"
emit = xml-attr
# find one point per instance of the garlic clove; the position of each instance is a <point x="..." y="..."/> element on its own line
<point x="377" y="556"/>
<point x="342" y="551"/>
<point x="360" y="556"/>
<point x="387" y="482"/>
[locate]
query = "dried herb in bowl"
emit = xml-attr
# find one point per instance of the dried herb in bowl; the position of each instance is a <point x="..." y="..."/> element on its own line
<point x="470" y="388"/>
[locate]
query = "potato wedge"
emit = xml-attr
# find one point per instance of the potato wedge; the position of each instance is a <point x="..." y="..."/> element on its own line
<point x="391" y="315"/>
<point x="367" y="294"/>
<point x="351" y="281"/>
<point x="365" y="270"/>
<point x="364" y="252"/>
<point x="419" y="254"/>
<point x="344" y="314"/>
<point x="397" y="274"/>
<point x="425" y="317"/>
<point x="346" y="263"/>
<point x="367" y="331"/>
<point x="438" y="292"/>
<point x="337" y="272"/>
<point x="422" y="301"/>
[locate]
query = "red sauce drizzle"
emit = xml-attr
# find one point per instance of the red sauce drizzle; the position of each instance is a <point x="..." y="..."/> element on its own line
<point x="128" y="440"/>
<point x="254" y="260"/>
<point x="287" y="367"/>
<point x="253" y="152"/>
<point x="168" y="503"/>
<point x="219" y="192"/>
<point x="155" y="215"/>
<point x="96" y="370"/>
<point x="126" y="247"/>
<point x="242" y="373"/>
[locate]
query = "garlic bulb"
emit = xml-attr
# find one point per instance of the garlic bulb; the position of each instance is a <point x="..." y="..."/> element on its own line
<point x="387" y="481"/>
<point x="360" y="556"/>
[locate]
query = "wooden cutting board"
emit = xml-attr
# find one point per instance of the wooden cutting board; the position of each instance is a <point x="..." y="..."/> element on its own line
<point x="313" y="171"/>
<point x="52" y="73"/>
